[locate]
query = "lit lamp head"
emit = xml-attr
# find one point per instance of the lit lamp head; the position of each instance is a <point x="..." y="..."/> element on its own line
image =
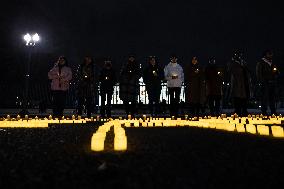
<point x="31" y="40"/>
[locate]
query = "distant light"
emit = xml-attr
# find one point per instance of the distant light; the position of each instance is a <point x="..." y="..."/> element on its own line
<point x="35" y="37"/>
<point x="259" y="106"/>
<point x="27" y="38"/>
<point x="31" y="40"/>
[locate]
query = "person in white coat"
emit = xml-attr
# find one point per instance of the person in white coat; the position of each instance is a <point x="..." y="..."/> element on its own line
<point x="175" y="77"/>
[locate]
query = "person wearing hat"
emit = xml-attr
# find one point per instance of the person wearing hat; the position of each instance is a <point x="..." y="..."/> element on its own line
<point x="107" y="80"/>
<point x="60" y="76"/>
<point x="267" y="74"/>
<point x="174" y="76"/>
<point x="153" y="75"/>
<point x="129" y="85"/>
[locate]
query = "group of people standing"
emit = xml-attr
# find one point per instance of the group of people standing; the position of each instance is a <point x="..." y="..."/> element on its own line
<point x="202" y="85"/>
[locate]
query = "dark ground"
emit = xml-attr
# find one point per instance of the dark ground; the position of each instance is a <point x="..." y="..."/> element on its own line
<point x="60" y="157"/>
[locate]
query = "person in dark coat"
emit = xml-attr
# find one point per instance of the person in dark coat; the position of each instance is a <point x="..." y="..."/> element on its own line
<point x="214" y="81"/>
<point x="107" y="80"/>
<point x="195" y="92"/>
<point x="240" y="83"/>
<point x="152" y="76"/>
<point x="129" y="85"/>
<point x="86" y="82"/>
<point x="267" y="73"/>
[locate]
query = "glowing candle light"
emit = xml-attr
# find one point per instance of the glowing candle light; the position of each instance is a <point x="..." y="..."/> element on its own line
<point x="277" y="131"/>
<point x="129" y="116"/>
<point x="97" y="142"/>
<point x="251" y="129"/>
<point x="144" y="117"/>
<point x="240" y="128"/>
<point x="50" y="117"/>
<point x="263" y="130"/>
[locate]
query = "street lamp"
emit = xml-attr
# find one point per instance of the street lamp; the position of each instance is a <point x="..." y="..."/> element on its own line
<point x="31" y="41"/>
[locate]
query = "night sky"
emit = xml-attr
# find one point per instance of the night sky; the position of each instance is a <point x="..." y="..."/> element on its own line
<point x="116" y="28"/>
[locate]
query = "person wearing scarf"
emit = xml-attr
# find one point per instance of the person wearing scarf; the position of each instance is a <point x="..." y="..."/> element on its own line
<point x="60" y="76"/>
<point x="267" y="73"/>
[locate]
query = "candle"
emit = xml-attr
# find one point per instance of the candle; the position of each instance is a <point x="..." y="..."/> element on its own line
<point x="274" y="69"/>
<point x="129" y="116"/>
<point x="98" y="118"/>
<point x="219" y="73"/>
<point x="50" y="117"/>
<point x="73" y="117"/>
<point x="26" y="117"/>
<point x="144" y="117"/>
<point x="106" y="78"/>
<point x="263" y="130"/>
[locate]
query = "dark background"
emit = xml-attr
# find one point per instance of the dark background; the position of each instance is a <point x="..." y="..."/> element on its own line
<point x="115" y="28"/>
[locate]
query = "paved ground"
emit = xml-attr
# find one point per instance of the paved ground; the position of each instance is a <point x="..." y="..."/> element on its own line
<point x="60" y="157"/>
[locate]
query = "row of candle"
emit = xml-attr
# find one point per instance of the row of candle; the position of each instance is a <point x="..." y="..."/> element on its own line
<point x="257" y="127"/>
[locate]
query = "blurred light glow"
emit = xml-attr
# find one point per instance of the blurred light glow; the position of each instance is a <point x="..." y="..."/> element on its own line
<point x="27" y="38"/>
<point x="35" y="37"/>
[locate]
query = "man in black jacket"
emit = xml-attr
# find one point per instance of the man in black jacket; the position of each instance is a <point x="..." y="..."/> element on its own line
<point x="267" y="73"/>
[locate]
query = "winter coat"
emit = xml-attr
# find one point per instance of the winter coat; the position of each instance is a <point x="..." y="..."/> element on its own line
<point x="86" y="80"/>
<point x="195" y="84"/>
<point x="214" y="80"/>
<point x="171" y="70"/>
<point x="129" y="82"/>
<point x="60" y="78"/>
<point x="152" y="77"/>
<point x="107" y="80"/>
<point x="240" y="81"/>
<point x="266" y="73"/>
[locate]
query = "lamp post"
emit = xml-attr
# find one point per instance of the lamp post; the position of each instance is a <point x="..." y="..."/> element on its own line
<point x="31" y="41"/>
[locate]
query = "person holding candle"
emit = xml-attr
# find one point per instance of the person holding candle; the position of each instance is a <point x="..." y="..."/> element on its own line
<point x="152" y="76"/>
<point x="240" y="83"/>
<point x="267" y="73"/>
<point x="60" y="76"/>
<point x="214" y="79"/>
<point x="86" y="82"/>
<point x="175" y="77"/>
<point x="129" y="85"/>
<point x="107" y="80"/>
<point x="195" y="87"/>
